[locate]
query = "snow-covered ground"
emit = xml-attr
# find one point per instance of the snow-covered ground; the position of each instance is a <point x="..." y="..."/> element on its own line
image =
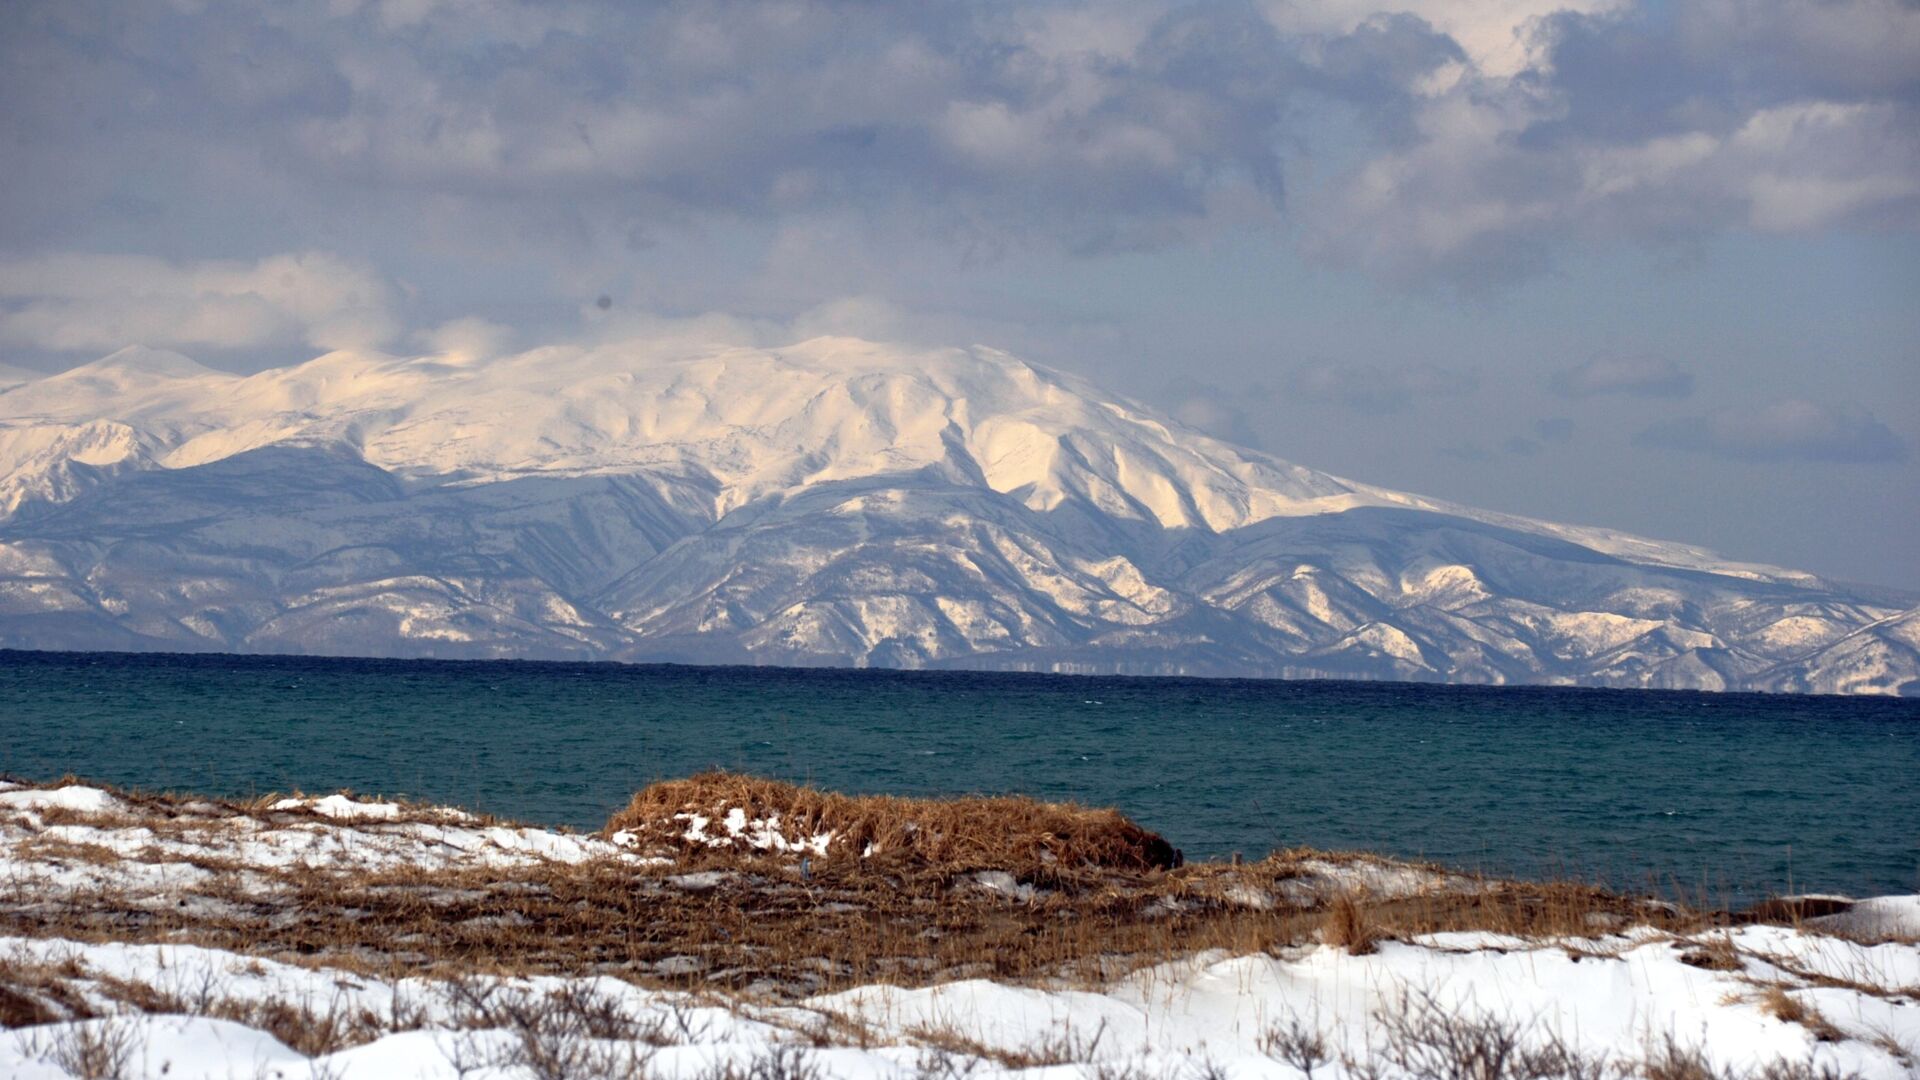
<point x="333" y="832"/>
<point x="1839" y="993"/>
<point x="78" y="839"/>
<point x="1620" y="998"/>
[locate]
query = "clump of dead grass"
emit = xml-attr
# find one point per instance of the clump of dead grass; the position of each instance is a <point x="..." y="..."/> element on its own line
<point x="1012" y="833"/>
<point x="1776" y="1002"/>
<point x="1349" y="927"/>
<point x="35" y="991"/>
<point x="1716" y="953"/>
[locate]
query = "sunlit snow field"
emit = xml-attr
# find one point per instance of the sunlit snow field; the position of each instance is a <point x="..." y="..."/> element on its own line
<point x="1727" y="795"/>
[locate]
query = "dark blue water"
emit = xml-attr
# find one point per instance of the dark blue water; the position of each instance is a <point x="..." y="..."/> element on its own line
<point x="1724" y="794"/>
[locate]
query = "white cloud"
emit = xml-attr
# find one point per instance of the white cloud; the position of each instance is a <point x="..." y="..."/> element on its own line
<point x="1460" y="139"/>
<point x="1808" y="165"/>
<point x="1790" y="430"/>
<point x="1615" y="129"/>
<point x="1368" y="388"/>
<point x="1219" y="411"/>
<point x="1632" y="375"/>
<point x="1001" y="120"/>
<point x="1493" y="32"/>
<point x="95" y="302"/>
<point x="468" y="339"/>
<point x="1867" y="45"/>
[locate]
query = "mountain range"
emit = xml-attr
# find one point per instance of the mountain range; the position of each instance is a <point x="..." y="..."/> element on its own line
<point x="835" y="501"/>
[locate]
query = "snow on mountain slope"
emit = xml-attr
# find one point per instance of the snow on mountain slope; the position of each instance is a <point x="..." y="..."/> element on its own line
<point x="834" y="501"/>
<point x="1883" y="658"/>
<point x="750" y="422"/>
<point x="11" y="376"/>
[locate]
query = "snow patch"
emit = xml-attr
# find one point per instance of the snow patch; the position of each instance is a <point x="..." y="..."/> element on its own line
<point x="1616" y="996"/>
<point x="761" y="834"/>
<point x="73" y="797"/>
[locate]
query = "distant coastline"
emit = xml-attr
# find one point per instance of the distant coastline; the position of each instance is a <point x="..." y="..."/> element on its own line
<point x="961" y="667"/>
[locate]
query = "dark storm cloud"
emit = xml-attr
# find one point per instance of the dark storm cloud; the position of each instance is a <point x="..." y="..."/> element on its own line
<point x="1790" y="430"/>
<point x="1651" y="124"/>
<point x="401" y="129"/>
<point x="1377" y="66"/>
<point x="1026" y="123"/>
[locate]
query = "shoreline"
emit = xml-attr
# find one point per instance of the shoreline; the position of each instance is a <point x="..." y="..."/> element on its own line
<point x="642" y="665"/>
<point x="738" y="909"/>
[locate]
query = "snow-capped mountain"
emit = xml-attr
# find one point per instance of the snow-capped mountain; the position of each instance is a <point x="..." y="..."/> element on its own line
<point x="835" y="501"/>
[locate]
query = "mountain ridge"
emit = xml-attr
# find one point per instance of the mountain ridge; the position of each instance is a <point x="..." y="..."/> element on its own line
<point x="831" y="501"/>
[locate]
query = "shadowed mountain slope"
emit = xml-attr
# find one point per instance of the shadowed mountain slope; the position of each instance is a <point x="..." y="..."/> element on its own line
<point x="831" y="502"/>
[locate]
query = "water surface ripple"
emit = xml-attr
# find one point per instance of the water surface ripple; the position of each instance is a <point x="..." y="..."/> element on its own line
<point x="1723" y="794"/>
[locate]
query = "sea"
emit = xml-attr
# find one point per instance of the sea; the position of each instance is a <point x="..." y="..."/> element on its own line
<point x="1709" y="797"/>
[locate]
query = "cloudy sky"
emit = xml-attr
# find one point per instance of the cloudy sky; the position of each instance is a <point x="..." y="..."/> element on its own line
<point x="1652" y="265"/>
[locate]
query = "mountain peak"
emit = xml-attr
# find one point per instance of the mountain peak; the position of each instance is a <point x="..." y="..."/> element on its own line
<point x="832" y="500"/>
<point x="141" y="360"/>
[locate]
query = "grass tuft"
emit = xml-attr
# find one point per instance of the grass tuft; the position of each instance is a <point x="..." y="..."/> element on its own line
<point x="1023" y="836"/>
<point x="1783" y="1006"/>
<point x="1348" y="926"/>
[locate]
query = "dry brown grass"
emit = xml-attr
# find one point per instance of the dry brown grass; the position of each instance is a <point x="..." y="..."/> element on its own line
<point x="1778" y="1003"/>
<point x="1861" y="980"/>
<point x="18" y="1009"/>
<point x="1013" y="833"/>
<point x="1715" y="953"/>
<point x="1100" y="897"/>
<point x="1348" y="926"/>
<point x="35" y="991"/>
<point x="1103" y="899"/>
<point x="755" y="924"/>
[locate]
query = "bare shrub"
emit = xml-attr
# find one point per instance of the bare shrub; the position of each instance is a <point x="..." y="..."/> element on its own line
<point x="1063" y="1046"/>
<point x="1803" y="1070"/>
<point x="1671" y="1059"/>
<point x="466" y="1055"/>
<point x="782" y="1061"/>
<point x="1424" y="1038"/>
<point x="936" y="1064"/>
<point x="570" y="1032"/>
<point x="89" y="1049"/>
<point x="1202" y="1068"/>
<point x="1299" y="1043"/>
